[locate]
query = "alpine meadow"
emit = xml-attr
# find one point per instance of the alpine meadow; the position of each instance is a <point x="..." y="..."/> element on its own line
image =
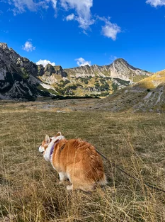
<point x="82" y="86"/>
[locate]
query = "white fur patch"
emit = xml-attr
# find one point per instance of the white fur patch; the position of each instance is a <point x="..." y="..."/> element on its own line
<point x="57" y="138"/>
<point x="69" y="187"/>
<point x="50" y="146"/>
<point x="63" y="176"/>
<point x="48" y="150"/>
<point x="41" y="149"/>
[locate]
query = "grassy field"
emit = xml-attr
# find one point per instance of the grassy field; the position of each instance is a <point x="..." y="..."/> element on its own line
<point x="29" y="189"/>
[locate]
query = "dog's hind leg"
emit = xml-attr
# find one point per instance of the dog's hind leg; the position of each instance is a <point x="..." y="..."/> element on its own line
<point x="63" y="177"/>
<point x="79" y="181"/>
<point x="69" y="187"/>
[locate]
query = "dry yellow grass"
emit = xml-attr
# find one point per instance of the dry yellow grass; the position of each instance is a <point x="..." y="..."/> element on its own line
<point x="152" y="81"/>
<point x="29" y="189"/>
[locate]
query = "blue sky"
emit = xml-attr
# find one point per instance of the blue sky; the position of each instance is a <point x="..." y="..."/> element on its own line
<point x="77" y="32"/>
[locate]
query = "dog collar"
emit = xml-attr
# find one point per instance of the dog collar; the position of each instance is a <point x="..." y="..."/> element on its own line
<point x="52" y="149"/>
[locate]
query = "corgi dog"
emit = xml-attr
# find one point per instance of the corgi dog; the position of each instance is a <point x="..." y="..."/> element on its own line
<point x="74" y="160"/>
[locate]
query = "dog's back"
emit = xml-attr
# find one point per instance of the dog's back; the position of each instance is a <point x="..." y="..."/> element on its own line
<point x="80" y="163"/>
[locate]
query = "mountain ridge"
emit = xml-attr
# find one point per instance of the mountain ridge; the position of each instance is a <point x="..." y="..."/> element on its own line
<point x="22" y="79"/>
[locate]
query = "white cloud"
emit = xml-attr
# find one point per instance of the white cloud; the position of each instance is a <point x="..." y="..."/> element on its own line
<point x="156" y="3"/>
<point x="82" y="9"/>
<point x="54" y="3"/>
<point x="81" y="12"/>
<point x="28" y="46"/>
<point x="22" y="5"/>
<point x="82" y="62"/>
<point x="45" y="62"/>
<point x="70" y="17"/>
<point x="109" y="30"/>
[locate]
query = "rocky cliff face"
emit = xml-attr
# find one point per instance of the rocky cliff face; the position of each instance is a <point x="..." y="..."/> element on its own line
<point x="18" y="76"/>
<point x="52" y="74"/>
<point x="23" y="79"/>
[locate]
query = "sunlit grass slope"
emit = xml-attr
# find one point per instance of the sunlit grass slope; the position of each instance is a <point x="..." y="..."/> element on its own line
<point x="153" y="81"/>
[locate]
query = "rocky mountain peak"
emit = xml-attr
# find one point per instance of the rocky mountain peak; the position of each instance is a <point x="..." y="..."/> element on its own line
<point x="120" y="60"/>
<point x="3" y="46"/>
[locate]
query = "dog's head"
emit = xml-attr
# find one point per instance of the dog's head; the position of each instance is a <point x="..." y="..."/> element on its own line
<point x="45" y="143"/>
<point x="48" y="142"/>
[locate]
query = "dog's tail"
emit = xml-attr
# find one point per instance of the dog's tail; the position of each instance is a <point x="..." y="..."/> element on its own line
<point x="103" y="181"/>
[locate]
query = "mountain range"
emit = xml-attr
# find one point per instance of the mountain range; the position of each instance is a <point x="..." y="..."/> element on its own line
<point x="21" y="79"/>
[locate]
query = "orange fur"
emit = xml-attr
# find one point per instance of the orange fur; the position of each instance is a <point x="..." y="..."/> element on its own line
<point x="80" y="162"/>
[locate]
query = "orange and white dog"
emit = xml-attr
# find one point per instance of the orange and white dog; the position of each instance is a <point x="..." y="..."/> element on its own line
<point x="75" y="160"/>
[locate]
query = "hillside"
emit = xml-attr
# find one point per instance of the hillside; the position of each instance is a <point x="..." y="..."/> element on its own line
<point x="21" y="79"/>
<point x="147" y="95"/>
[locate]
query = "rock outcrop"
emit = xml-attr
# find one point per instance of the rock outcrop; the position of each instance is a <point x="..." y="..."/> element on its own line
<point x="18" y="76"/>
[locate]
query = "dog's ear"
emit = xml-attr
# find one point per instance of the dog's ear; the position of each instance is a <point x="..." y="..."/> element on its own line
<point x="58" y="134"/>
<point x="47" y="139"/>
